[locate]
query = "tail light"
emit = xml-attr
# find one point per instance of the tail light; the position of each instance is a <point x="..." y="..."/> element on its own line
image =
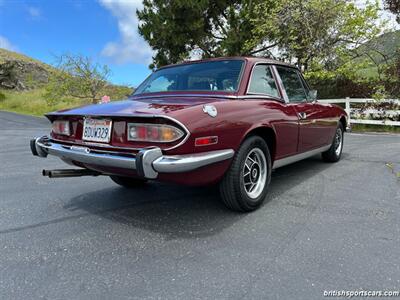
<point x="61" y="127"/>
<point x="160" y="133"/>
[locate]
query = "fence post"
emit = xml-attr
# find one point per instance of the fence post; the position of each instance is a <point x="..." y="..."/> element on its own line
<point x="347" y="108"/>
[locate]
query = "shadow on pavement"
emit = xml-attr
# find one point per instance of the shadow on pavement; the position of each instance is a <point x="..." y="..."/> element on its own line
<point x="180" y="211"/>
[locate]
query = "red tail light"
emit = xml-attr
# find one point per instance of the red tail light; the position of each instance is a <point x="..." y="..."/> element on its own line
<point x="61" y="127"/>
<point x="161" y="133"/>
<point x="205" y="141"/>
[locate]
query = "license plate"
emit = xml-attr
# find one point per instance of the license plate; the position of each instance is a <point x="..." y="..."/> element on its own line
<point x="97" y="130"/>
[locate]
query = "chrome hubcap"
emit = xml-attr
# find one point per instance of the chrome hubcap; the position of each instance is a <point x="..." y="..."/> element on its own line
<point x="338" y="141"/>
<point x="254" y="173"/>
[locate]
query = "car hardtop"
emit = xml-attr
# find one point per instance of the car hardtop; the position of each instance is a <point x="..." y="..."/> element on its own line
<point x="252" y="60"/>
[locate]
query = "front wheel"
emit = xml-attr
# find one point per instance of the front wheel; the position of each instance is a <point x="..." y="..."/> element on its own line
<point x="334" y="153"/>
<point x="128" y="182"/>
<point x="244" y="186"/>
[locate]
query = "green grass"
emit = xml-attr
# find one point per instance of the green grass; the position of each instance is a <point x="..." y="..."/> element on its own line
<point x="374" y="128"/>
<point x="33" y="103"/>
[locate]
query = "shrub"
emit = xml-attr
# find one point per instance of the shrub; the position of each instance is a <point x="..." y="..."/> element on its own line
<point x="2" y="97"/>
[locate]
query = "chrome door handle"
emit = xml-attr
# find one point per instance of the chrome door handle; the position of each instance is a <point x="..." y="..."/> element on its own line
<point x="302" y="115"/>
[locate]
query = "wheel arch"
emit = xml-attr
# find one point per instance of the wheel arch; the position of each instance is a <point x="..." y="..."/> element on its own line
<point x="344" y="122"/>
<point x="268" y="135"/>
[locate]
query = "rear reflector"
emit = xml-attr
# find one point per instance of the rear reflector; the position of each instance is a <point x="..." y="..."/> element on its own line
<point x="205" y="141"/>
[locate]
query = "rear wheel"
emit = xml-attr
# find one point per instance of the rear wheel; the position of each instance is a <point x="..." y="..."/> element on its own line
<point x="244" y="186"/>
<point x="128" y="182"/>
<point x="334" y="153"/>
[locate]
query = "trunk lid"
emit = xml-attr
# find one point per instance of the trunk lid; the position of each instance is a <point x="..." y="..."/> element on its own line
<point x="167" y="105"/>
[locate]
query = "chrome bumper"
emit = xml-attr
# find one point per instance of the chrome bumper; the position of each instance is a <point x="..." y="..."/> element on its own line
<point x="147" y="162"/>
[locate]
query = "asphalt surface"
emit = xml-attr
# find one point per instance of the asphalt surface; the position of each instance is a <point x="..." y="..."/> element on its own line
<point x="324" y="227"/>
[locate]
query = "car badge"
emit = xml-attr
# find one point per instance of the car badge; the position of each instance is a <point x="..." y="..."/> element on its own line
<point x="210" y="110"/>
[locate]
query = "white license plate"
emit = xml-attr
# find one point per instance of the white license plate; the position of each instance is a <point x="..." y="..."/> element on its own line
<point x="97" y="130"/>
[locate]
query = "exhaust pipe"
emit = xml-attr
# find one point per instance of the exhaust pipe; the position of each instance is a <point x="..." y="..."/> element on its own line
<point x="69" y="173"/>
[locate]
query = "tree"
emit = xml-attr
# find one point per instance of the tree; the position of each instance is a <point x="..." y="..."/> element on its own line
<point x="77" y="76"/>
<point x="394" y="7"/>
<point x="304" y="31"/>
<point x="316" y="31"/>
<point x="176" y="29"/>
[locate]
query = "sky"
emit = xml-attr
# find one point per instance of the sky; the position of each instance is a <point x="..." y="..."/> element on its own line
<point x="103" y="29"/>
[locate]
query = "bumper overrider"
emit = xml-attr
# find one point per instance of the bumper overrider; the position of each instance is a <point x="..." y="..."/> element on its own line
<point x="147" y="162"/>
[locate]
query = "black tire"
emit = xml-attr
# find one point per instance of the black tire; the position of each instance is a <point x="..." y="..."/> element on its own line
<point x="232" y="187"/>
<point x="333" y="154"/>
<point x="128" y="182"/>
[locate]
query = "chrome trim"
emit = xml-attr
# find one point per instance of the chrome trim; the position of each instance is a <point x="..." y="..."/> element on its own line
<point x="148" y="161"/>
<point x="185" y="95"/>
<point x="83" y="143"/>
<point x="148" y="156"/>
<point x="280" y="83"/>
<point x="86" y="155"/>
<point x="230" y="97"/>
<point x="294" y="158"/>
<point x="184" y="163"/>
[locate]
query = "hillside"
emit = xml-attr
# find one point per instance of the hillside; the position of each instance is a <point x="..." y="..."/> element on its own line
<point x="20" y="72"/>
<point x="23" y="82"/>
<point x="384" y="45"/>
<point x="381" y="50"/>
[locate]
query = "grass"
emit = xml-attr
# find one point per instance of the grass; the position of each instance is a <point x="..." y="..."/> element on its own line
<point x="374" y="128"/>
<point x="32" y="102"/>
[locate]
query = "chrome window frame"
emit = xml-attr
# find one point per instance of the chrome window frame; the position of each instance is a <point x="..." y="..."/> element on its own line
<point x="263" y="95"/>
<point x="283" y="86"/>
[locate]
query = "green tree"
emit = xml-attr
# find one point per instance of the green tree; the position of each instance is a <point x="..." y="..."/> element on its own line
<point x="304" y="31"/>
<point x="317" y="31"/>
<point x="77" y="76"/>
<point x="176" y="29"/>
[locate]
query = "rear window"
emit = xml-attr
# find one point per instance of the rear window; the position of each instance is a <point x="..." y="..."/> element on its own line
<point x="221" y="75"/>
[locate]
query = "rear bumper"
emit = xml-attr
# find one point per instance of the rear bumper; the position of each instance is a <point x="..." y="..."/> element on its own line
<point x="147" y="162"/>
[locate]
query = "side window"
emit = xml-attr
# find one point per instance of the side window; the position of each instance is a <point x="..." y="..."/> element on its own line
<point x="262" y="81"/>
<point x="292" y="84"/>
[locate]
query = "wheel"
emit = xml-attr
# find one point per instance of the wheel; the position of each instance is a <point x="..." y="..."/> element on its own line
<point x="128" y="182"/>
<point x="244" y="186"/>
<point x="334" y="153"/>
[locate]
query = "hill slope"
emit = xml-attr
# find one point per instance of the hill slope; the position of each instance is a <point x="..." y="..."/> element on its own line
<point x="23" y="81"/>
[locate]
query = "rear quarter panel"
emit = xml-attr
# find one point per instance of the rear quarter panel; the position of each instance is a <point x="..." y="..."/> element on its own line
<point x="235" y="120"/>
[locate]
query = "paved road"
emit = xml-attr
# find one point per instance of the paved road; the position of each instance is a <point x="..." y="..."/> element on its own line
<point x="325" y="227"/>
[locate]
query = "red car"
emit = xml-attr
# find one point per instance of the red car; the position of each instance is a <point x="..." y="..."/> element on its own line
<point x="227" y="120"/>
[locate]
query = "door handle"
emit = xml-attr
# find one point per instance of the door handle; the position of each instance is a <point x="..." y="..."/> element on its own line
<point x="302" y="115"/>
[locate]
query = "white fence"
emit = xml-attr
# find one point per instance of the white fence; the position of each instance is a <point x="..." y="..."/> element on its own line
<point x="348" y="101"/>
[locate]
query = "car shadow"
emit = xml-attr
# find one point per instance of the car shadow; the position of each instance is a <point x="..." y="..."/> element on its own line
<point x="184" y="212"/>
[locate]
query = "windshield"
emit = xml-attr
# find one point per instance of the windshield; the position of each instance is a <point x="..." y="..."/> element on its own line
<point x="222" y="75"/>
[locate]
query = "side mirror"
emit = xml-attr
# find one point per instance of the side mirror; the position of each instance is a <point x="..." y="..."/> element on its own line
<point x="312" y="95"/>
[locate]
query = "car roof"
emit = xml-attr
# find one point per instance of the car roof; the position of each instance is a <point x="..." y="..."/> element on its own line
<point x="251" y="59"/>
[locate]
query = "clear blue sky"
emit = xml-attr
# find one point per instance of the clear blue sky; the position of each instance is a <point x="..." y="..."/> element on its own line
<point x="104" y="30"/>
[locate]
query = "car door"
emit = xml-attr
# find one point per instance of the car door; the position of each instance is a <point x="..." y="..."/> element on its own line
<point x="263" y="85"/>
<point x="312" y="132"/>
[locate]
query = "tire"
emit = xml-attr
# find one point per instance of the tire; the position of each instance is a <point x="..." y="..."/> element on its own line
<point x="243" y="189"/>
<point x="334" y="153"/>
<point x="128" y="182"/>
